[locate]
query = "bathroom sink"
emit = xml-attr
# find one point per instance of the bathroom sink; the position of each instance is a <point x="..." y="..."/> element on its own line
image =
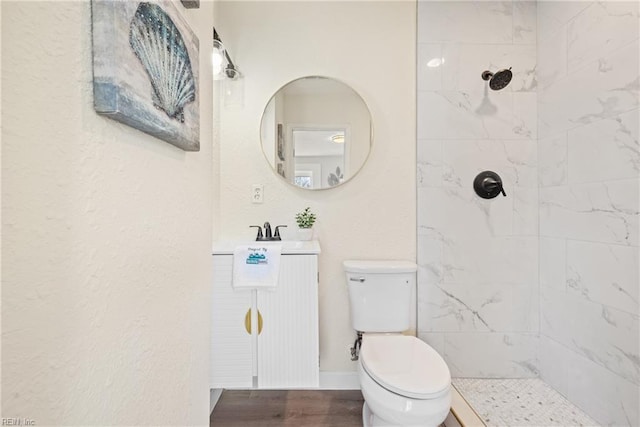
<point x="289" y="247"/>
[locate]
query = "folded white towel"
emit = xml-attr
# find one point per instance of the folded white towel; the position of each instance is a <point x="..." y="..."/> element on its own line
<point x="256" y="266"/>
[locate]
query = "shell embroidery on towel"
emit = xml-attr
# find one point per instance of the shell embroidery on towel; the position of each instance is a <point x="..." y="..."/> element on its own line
<point x="159" y="46"/>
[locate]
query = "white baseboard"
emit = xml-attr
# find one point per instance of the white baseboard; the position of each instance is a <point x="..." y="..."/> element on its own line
<point x="214" y="396"/>
<point x="334" y="380"/>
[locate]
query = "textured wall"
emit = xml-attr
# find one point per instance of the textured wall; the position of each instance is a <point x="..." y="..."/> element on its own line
<point x="478" y="276"/>
<point x="589" y="159"/>
<point x="106" y="239"/>
<point x="371" y="47"/>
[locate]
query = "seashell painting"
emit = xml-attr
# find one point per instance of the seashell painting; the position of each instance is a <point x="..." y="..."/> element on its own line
<point x="158" y="45"/>
<point x="145" y="69"/>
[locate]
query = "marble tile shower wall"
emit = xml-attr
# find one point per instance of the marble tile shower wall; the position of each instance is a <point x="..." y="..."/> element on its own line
<point x="589" y="170"/>
<point x="478" y="259"/>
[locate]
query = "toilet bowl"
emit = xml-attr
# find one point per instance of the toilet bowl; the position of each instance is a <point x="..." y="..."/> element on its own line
<point x="404" y="382"/>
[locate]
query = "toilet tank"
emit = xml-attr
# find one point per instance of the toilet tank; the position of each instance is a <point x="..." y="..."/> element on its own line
<point x="380" y="294"/>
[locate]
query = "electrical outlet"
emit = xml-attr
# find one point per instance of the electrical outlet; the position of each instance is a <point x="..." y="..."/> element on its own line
<point x="257" y="193"/>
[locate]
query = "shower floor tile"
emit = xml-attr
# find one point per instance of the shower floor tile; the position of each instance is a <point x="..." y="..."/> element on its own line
<point x="520" y="402"/>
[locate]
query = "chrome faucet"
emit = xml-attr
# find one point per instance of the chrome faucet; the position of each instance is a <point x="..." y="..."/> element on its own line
<point x="267" y="231"/>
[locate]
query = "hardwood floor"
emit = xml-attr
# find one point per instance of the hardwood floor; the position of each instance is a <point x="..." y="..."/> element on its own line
<point x="290" y="408"/>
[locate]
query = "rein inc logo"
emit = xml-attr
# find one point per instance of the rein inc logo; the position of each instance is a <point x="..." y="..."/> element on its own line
<point x="18" y="422"/>
<point x="258" y="256"/>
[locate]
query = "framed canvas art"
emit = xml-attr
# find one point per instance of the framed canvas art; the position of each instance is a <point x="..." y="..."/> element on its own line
<point x="145" y="69"/>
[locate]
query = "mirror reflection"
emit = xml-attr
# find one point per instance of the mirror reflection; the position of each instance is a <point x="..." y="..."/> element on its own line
<point x="316" y="132"/>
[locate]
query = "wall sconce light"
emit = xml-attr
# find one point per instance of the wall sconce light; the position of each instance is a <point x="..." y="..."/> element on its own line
<point x="224" y="69"/>
<point x="223" y="66"/>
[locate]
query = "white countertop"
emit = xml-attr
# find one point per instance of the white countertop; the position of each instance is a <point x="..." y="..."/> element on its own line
<point x="289" y="247"/>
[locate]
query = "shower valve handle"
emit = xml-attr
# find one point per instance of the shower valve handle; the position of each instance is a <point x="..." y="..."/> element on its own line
<point x="488" y="185"/>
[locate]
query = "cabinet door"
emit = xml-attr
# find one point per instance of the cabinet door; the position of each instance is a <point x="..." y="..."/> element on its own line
<point x="231" y="349"/>
<point x="288" y="343"/>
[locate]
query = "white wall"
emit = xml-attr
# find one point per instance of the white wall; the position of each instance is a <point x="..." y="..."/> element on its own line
<point x="106" y="239"/>
<point x="363" y="44"/>
<point x="589" y="160"/>
<point x="478" y="276"/>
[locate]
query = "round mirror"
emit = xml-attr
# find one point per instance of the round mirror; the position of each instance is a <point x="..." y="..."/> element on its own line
<point x="316" y="132"/>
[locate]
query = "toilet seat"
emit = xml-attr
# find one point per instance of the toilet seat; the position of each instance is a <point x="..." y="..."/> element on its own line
<point x="405" y="365"/>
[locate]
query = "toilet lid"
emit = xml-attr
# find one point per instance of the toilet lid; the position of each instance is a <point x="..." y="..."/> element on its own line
<point x="405" y="365"/>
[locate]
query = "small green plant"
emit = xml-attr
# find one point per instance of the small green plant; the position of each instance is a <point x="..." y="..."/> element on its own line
<point x="306" y="218"/>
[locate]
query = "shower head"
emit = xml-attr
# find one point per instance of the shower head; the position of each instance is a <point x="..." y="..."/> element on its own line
<point x="499" y="80"/>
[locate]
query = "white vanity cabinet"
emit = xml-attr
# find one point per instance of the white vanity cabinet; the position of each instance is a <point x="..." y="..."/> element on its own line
<point x="283" y="351"/>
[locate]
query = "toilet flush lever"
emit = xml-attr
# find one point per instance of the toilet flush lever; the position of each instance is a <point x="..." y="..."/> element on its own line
<point x="357" y="279"/>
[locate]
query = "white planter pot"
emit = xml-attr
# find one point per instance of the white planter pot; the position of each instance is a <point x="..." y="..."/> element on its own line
<point x="305" y="233"/>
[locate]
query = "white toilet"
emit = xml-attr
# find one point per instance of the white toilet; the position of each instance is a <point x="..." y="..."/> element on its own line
<point x="404" y="381"/>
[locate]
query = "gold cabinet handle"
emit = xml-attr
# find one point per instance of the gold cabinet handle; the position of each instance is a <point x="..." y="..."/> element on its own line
<point x="247" y="322"/>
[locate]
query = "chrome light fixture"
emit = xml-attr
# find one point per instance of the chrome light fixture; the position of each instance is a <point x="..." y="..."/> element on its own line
<point x="224" y="69"/>
<point x="223" y="66"/>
